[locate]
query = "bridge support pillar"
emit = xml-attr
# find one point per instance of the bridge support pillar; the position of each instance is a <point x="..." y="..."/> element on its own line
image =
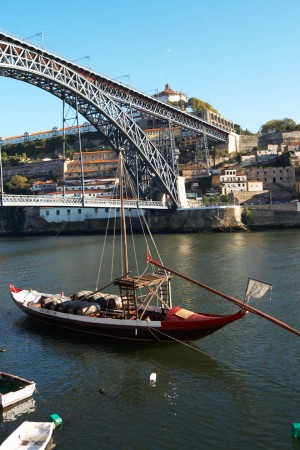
<point x="182" y="198"/>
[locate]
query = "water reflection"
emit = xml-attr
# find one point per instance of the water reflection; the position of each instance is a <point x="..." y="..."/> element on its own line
<point x="198" y="397"/>
<point x="11" y="413"/>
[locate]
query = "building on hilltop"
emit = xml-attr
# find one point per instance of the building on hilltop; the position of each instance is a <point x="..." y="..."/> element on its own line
<point x="170" y="96"/>
<point x="86" y="127"/>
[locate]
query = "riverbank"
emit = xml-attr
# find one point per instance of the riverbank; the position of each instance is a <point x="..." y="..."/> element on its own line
<point x="273" y="216"/>
<point x="16" y="221"/>
<point x="27" y="221"/>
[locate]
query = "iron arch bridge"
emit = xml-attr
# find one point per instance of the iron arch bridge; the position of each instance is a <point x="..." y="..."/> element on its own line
<point x="110" y="107"/>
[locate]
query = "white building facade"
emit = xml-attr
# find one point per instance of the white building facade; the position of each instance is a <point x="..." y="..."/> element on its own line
<point x="231" y="181"/>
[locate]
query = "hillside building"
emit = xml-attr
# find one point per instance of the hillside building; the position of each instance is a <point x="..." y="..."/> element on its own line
<point x="274" y="178"/>
<point x="170" y="96"/>
<point x="232" y="181"/>
<point x="98" y="164"/>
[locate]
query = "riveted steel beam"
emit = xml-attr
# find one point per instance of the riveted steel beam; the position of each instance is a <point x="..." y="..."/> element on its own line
<point x="107" y="105"/>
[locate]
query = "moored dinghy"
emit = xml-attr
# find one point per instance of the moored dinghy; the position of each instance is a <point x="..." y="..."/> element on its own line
<point x="30" y="435"/>
<point x="14" y="389"/>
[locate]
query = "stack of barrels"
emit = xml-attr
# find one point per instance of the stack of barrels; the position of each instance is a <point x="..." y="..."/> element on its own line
<point x="82" y="303"/>
<point x="106" y="301"/>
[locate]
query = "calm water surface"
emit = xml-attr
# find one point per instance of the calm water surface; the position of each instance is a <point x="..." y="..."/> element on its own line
<point x="237" y="389"/>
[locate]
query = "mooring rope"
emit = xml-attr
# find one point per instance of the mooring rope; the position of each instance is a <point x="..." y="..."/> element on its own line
<point x="35" y="390"/>
<point x="223" y="361"/>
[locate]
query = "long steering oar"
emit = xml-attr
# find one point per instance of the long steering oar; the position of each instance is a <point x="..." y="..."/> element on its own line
<point x="247" y="307"/>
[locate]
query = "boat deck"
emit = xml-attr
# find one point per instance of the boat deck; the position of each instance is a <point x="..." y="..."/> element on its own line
<point x="142" y="281"/>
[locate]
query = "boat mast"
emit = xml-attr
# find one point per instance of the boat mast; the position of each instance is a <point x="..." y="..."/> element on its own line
<point x="123" y="222"/>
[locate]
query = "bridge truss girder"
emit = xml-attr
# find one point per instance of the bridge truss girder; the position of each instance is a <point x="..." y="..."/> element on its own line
<point x="149" y="168"/>
<point x="108" y="106"/>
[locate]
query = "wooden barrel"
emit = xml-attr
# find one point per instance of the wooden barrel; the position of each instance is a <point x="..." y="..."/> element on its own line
<point x="81" y="295"/>
<point x="114" y="302"/>
<point x="46" y="301"/>
<point x="96" y="297"/>
<point x="71" y="307"/>
<point x="62" y="306"/>
<point x="87" y="310"/>
<point x="51" y="302"/>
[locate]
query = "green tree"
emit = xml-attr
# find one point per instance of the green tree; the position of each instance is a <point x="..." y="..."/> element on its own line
<point x="17" y="185"/>
<point x="199" y="105"/>
<point x="181" y="104"/>
<point x="247" y="217"/>
<point x="218" y="153"/>
<point x="273" y="126"/>
<point x="224" y="198"/>
<point x="239" y="130"/>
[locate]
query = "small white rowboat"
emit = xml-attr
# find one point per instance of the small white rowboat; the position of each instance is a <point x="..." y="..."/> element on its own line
<point x="30" y="435"/>
<point x="14" y="389"/>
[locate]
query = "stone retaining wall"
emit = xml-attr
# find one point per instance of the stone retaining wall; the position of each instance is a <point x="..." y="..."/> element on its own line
<point x="161" y="221"/>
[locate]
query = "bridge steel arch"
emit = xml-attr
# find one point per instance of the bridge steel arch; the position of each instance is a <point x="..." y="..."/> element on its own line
<point x="108" y="106"/>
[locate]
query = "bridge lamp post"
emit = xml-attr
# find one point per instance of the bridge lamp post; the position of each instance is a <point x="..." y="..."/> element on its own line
<point x="84" y="57"/>
<point x="38" y="34"/>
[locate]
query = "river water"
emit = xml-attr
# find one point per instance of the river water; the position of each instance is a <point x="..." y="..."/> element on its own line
<point x="237" y="389"/>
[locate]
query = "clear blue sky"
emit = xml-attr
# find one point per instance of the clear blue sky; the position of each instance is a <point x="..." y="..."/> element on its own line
<point x="241" y="56"/>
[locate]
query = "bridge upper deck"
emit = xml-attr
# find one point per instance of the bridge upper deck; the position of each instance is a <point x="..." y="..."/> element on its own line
<point x="122" y="93"/>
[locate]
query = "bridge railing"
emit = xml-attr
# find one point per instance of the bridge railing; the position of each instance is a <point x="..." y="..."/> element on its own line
<point x="76" y="202"/>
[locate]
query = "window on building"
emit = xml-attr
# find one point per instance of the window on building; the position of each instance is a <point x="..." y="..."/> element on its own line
<point x="79" y="211"/>
<point x="57" y="212"/>
<point x="68" y="212"/>
<point x="47" y="213"/>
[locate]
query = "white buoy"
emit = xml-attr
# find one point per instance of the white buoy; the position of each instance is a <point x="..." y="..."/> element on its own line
<point x="153" y="378"/>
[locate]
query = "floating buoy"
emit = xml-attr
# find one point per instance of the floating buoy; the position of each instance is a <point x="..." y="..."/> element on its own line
<point x="101" y="391"/>
<point x="57" y="420"/>
<point x="296" y="430"/>
<point x="153" y="378"/>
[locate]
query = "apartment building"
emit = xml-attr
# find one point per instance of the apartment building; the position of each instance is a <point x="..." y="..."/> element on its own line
<point x="98" y="164"/>
<point x="273" y="177"/>
<point x="232" y="181"/>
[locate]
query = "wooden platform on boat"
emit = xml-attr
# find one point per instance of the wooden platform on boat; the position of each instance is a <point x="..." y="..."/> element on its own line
<point x="145" y="280"/>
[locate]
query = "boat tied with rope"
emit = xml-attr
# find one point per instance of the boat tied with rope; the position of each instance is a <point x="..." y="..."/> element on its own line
<point x="141" y="310"/>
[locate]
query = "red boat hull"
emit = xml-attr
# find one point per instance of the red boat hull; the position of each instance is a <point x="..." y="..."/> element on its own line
<point x="172" y="328"/>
